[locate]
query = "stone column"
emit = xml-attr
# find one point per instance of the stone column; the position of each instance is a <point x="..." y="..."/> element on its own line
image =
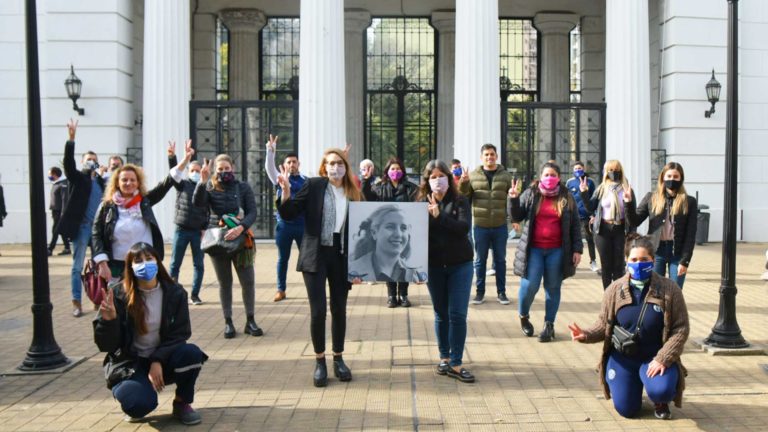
<point x="628" y="90"/>
<point x="476" y="105"/>
<point x="322" y="112"/>
<point x="167" y="91"/>
<point x="244" y="50"/>
<point x="592" y="59"/>
<point x="445" y="24"/>
<point x="355" y="23"/>
<point x="554" y="30"/>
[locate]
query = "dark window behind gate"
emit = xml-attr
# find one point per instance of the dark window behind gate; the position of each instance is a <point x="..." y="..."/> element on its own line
<point x="241" y="129"/>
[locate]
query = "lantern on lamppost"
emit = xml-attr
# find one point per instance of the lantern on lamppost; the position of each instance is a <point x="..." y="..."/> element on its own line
<point x="713" y="94"/>
<point x="73" y="85"/>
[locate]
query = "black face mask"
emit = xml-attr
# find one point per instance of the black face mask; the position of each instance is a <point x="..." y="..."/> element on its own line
<point x="614" y="176"/>
<point x="673" y="185"/>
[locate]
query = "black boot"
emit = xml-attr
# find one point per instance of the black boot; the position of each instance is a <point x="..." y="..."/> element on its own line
<point x="320" y="377"/>
<point x="252" y="328"/>
<point x="340" y="370"/>
<point x="404" y="302"/>
<point x="229" y="329"/>
<point x="526" y="325"/>
<point x="392" y="302"/>
<point x="548" y="334"/>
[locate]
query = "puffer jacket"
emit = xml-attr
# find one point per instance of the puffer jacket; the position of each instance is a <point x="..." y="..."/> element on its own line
<point x="188" y="216"/>
<point x="385" y="191"/>
<point x="524" y="207"/>
<point x="235" y="196"/>
<point x="489" y="202"/>
<point x="685" y="224"/>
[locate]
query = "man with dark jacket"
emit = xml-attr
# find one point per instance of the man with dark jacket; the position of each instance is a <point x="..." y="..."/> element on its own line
<point x="190" y="220"/>
<point x="85" y="190"/>
<point x="487" y="188"/>
<point x="57" y="204"/>
<point x="573" y="185"/>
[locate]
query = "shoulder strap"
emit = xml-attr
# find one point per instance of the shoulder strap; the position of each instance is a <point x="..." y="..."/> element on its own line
<point x="642" y="312"/>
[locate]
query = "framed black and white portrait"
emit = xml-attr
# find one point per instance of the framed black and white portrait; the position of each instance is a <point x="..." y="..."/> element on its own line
<point x="388" y="241"/>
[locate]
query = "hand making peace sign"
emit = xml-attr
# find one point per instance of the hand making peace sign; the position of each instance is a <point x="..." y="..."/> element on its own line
<point x="433" y="208"/>
<point x="514" y="191"/>
<point x="285" y="185"/>
<point x="628" y="194"/>
<point x="205" y="172"/>
<point x="272" y="143"/>
<point x="583" y="185"/>
<point x="72" y="128"/>
<point x="464" y="175"/>
<point x="107" y="306"/>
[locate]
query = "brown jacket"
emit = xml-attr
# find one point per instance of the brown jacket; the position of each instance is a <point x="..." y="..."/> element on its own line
<point x="669" y="297"/>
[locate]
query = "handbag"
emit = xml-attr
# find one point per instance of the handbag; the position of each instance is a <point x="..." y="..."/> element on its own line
<point x="94" y="285"/>
<point x="214" y="244"/>
<point x="627" y="342"/>
<point x="117" y="368"/>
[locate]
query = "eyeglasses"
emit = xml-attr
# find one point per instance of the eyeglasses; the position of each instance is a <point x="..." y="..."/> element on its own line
<point x="334" y="163"/>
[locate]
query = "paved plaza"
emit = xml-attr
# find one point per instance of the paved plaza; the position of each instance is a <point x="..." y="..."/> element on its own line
<point x="264" y="384"/>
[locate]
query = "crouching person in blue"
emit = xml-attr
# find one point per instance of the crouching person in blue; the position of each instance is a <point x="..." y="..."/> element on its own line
<point x="144" y="325"/>
<point x="643" y="325"/>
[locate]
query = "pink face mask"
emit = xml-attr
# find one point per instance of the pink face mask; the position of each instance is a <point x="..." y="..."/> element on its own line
<point x="395" y="175"/>
<point x="549" y="183"/>
<point x="439" y="185"/>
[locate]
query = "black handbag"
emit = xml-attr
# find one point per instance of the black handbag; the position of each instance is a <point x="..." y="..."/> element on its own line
<point x="627" y="342"/>
<point x="118" y="368"/>
<point x="214" y="244"/>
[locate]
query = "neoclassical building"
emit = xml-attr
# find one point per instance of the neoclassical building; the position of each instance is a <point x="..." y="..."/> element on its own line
<point x="567" y="80"/>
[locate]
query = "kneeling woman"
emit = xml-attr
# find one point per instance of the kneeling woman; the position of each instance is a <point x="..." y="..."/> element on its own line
<point x="450" y="266"/>
<point x="650" y="310"/>
<point x="144" y="325"/>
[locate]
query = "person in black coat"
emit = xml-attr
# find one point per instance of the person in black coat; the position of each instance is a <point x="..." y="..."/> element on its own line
<point x="673" y="222"/>
<point x="143" y="324"/>
<point x="323" y="254"/>
<point x="57" y="204"/>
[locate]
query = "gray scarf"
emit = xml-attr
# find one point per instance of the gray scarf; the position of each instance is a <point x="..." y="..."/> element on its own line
<point x="329" y="217"/>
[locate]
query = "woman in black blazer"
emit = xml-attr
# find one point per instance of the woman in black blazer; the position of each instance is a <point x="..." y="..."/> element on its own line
<point x="323" y="254"/>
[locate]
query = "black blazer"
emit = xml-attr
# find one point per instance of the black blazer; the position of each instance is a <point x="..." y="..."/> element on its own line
<point x="309" y="201"/>
<point x="685" y="224"/>
<point x="79" y="192"/>
<point x="449" y="243"/>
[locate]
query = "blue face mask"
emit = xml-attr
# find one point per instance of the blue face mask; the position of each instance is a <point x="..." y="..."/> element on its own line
<point x="457" y="172"/>
<point x="195" y="177"/>
<point x="640" y="270"/>
<point x="578" y="173"/>
<point x="50" y="178"/>
<point x="145" y="271"/>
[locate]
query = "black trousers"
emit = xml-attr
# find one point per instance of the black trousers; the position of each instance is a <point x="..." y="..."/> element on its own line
<point x="395" y="289"/>
<point x="55" y="231"/>
<point x="332" y="269"/>
<point x="610" y="245"/>
<point x="585" y="226"/>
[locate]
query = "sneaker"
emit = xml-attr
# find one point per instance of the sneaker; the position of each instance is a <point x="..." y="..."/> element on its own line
<point x="279" y="296"/>
<point x="593" y="266"/>
<point x="77" y="309"/>
<point x="764" y="276"/>
<point x="478" y="299"/>
<point x="195" y="300"/>
<point x="662" y="411"/>
<point x="130" y="419"/>
<point x="65" y="252"/>
<point x="503" y="299"/>
<point x="185" y="413"/>
<point x="490" y="272"/>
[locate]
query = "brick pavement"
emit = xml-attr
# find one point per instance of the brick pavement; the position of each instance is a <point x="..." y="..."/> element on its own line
<point x="265" y="383"/>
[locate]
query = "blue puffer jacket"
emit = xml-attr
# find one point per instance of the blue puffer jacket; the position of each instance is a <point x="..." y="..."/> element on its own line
<point x="573" y="187"/>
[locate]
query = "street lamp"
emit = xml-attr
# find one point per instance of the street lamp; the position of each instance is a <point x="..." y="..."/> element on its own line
<point x="73" y="86"/>
<point x="713" y="94"/>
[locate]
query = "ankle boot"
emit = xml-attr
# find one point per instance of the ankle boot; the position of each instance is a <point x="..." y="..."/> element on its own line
<point x="392" y="302"/>
<point x="340" y="369"/>
<point x="229" y="329"/>
<point x="404" y="302"/>
<point x="526" y="326"/>
<point x="252" y="328"/>
<point x="548" y="334"/>
<point x="77" y="309"/>
<point x="320" y="377"/>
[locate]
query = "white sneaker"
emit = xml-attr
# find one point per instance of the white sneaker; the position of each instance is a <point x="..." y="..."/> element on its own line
<point x="490" y="272"/>
<point x="593" y="266"/>
<point x="764" y="276"/>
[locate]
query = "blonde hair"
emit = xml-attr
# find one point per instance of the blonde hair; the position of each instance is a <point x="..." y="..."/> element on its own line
<point x="611" y="165"/>
<point x="114" y="181"/>
<point x="659" y="201"/>
<point x="351" y="191"/>
<point x="215" y="178"/>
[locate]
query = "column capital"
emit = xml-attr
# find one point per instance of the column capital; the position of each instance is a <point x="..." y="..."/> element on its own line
<point x="444" y="21"/>
<point x="356" y="20"/>
<point x="243" y="20"/>
<point x="551" y="22"/>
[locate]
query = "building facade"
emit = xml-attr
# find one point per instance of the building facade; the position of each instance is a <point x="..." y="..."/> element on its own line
<point x="553" y="79"/>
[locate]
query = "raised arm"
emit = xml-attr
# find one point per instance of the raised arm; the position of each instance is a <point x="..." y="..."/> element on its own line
<point x="200" y="197"/>
<point x="269" y="163"/>
<point x="70" y="166"/>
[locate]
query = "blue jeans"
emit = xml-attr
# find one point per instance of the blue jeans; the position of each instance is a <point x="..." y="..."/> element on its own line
<point x="285" y="235"/>
<point x="626" y="378"/>
<point x="547" y="264"/>
<point x="450" y="288"/>
<point x="181" y="238"/>
<point x="79" y="244"/>
<point x="136" y="395"/>
<point x="485" y="239"/>
<point x="665" y="257"/>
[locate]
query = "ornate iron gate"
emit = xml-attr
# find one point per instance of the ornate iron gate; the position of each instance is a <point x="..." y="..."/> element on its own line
<point x="241" y="129"/>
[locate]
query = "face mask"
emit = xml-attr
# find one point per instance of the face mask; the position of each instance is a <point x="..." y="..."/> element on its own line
<point x="226" y="176"/>
<point x="673" y="185"/>
<point x="439" y="185"/>
<point x="336" y="172"/>
<point x="145" y="271"/>
<point x="549" y="183"/>
<point x="614" y="176"/>
<point x="578" y="173"/>
<point x="395" y="175"/>
<point x="91" y="164"/>
<point x="50" y="178"/>
<point x="194" y="177"/>
<point x="640" y="270"/>
<point x="457" y="172"/>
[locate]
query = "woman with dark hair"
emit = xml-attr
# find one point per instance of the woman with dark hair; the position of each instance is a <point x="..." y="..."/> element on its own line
<point x="450" y="266"/>
<point x="143" y="326"/>
<point x="672" y="225"/>
<point x="550" y="246"/>
<point x="393" y="187"/>
<point x="324" y="202"/>
<point x="643" y="325"/>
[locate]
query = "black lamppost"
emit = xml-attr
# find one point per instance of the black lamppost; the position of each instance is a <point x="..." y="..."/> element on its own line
<point x="74" y="85"/>
<point x="713" y="94"/>
<point x="726" y="332"/>
<point x="44" y="353"/>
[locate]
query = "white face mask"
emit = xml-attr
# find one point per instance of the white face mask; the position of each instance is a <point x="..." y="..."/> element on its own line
<point x="336" y="172"/>
<point x="439" y="185"/>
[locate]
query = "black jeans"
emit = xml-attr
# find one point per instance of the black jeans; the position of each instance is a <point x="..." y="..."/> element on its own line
<point x="333" y="268"/>
<point x="587" y="233"/>
<point x="55" y="232"/>
<point x="395" y="289"/>
<point x="610" y="245"/>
